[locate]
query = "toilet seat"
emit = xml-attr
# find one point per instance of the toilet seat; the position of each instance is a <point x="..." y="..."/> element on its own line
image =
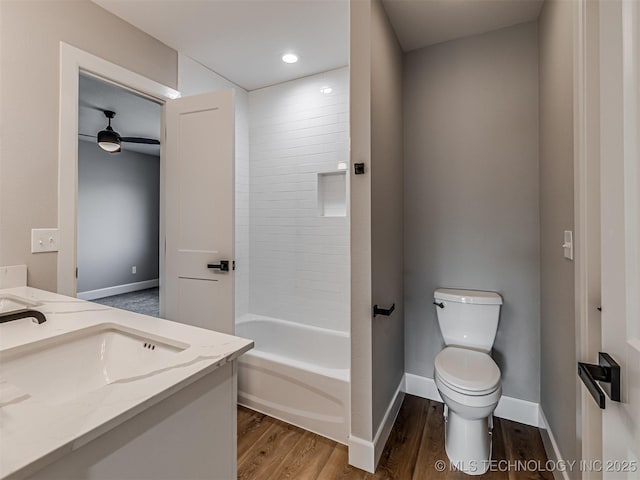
<point x="457" y="400"/>
<point x="468" y="372"/>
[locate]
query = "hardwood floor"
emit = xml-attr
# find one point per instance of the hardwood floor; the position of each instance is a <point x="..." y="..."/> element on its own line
<point x="269" y="449"/>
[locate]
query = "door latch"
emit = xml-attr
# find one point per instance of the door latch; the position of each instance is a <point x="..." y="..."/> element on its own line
<point x="223" y="266"/>
<point x="607" y="372"/>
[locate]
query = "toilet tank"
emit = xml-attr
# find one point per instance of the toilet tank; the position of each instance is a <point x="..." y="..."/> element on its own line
<point x="468" y="318"/>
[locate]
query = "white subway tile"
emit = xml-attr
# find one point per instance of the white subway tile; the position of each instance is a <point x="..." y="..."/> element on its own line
<point x="299" y="261"/>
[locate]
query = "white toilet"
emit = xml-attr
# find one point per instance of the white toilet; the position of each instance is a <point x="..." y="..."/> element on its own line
<point x="466" y="376"/>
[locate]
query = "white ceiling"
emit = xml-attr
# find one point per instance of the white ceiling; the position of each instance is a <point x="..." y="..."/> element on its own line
<point x="419" y="23"/>
<point x="244" y="40"/>
<point x="136" y="116"/>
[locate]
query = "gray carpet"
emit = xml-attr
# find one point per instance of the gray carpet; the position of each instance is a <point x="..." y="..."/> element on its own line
<point x="146" y="301"/>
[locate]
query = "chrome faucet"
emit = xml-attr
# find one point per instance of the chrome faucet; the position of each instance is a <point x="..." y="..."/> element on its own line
<point x="8" y="317"/>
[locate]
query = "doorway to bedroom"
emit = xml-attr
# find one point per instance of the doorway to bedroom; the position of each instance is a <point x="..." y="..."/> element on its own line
<point x="118" y="217"/>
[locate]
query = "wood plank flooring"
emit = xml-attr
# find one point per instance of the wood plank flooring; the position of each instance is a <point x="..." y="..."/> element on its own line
<point x="269" y="449"/>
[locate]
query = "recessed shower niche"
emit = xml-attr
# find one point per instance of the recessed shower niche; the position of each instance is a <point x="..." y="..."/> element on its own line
<point x="332" y="194"/>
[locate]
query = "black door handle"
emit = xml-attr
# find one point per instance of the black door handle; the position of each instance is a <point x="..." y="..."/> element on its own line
<point x="223" y="266"/>
<point x="608" y="372"/>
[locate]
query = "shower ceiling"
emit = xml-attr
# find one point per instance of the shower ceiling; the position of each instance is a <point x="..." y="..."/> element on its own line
<point x="245" y="40"/>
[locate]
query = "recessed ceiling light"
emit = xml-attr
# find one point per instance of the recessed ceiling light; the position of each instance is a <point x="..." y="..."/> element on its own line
<point x="289" y="58"/>
<point x="326" y="90"/>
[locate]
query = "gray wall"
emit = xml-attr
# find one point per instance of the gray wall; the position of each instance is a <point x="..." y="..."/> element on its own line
<point x="30" y="35"/>
<point x="557" y="313"/>
<point x="360" y="204"/>
<point x="386" y="210"/>
<point x="377" y="346"/>
<point x="471" y="193"/>
<point x="118" y="215"/>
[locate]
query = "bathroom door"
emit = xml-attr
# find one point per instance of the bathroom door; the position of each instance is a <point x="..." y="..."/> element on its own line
<point x="620" y="226"/>
<point x="199" y="210"/>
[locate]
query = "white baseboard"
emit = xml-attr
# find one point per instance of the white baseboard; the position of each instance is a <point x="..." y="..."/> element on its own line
<point x="551" y="447"/>
<point x="510" y="408"/>
<point x="422" y="387"/>
<point x="380" y="439"/>
<point x="118" y="289"/>
<point x="518" y="410"/>
<point x="365" y="454"/>
<point x="361" y="454"/>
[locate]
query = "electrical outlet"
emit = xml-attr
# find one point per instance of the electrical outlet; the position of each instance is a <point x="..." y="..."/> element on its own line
<point x="44" y="240"/>
<point x="133" y="270"/>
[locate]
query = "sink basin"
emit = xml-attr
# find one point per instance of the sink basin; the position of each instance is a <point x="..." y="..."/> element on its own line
<point x="12" y="303"/>
<point x="65" y="367"/>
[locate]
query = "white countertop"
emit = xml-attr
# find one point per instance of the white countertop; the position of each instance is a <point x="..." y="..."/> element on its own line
<point x="34" y="432"/>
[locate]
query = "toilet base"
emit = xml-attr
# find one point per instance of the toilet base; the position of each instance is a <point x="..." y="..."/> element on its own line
<point x="468" y="443"/>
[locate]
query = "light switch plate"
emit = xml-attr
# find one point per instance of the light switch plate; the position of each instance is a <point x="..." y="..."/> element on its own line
<point x="568" y="244"/>
<point x="44" y="240"/>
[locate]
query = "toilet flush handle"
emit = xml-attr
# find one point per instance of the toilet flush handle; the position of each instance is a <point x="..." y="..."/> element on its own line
<point x="439" y="304"/>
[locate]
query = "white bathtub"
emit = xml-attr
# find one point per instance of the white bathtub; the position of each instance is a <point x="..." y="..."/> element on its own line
<point x="297" y="373"/>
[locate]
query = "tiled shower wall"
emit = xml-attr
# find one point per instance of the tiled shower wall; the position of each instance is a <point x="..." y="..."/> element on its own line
<point x="242" y="203"/>
<point x="299" y="258"/>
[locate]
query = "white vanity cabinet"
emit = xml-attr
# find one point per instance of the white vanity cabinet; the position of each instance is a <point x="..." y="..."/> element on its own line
<point x="99" y="393"/>
<point x="189" y="435"/>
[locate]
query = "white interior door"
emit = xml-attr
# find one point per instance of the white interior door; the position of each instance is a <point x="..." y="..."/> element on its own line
<point x="199" y="210"/>
<point x="620" y="227"/>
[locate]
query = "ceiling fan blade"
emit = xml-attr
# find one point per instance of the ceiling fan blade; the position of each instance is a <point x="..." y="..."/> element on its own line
<point x="85" y="104"/>
<point x="86" y="135"/>
<point x="148" y="141"/>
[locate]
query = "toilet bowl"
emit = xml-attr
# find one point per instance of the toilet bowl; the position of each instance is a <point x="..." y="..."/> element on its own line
<point x="466" y="376"/>
<point x="470" y="400"/>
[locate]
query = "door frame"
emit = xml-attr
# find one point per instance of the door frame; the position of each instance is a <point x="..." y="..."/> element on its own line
<point x="589" y="108"/>
<point x="586" y="117"/>
<point x="72" y="62"/>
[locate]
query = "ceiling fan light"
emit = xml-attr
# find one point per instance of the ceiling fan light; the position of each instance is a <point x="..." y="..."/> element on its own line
<point x="109" y="147"/>
<point x="109" y="141"/>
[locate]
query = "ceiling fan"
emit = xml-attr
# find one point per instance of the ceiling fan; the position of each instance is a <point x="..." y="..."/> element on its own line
<point x="109" y="140"/>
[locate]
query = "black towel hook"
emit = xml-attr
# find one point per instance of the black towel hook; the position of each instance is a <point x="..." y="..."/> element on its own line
<point x="383" y="311"/>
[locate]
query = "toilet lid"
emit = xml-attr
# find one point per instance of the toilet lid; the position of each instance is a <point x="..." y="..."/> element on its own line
<point x="467" y="369"/>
